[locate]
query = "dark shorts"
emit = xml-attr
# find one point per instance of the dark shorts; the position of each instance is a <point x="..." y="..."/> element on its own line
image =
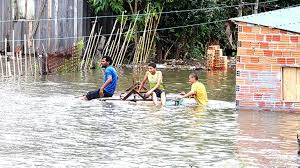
<point x="158" y="92"/>
<point x="96" y="94"/>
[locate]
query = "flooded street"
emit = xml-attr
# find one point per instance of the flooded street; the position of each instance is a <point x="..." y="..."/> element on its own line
<point x="43" y="124"/>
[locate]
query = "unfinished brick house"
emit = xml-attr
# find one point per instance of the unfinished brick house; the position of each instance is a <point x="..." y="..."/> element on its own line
<point x="268" y="61"/>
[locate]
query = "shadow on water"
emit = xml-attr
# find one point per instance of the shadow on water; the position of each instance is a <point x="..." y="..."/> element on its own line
<point x="42" y="124"/>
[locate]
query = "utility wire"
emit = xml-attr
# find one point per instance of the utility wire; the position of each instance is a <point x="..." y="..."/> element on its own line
<point x="160" y="29"/>
<point x="115" y="16"/>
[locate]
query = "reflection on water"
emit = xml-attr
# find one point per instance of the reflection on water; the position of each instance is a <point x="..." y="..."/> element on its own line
<point x="42" y="124"/>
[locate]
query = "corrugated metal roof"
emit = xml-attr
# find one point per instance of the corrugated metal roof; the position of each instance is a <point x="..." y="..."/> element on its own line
<point x="285" y="19"/>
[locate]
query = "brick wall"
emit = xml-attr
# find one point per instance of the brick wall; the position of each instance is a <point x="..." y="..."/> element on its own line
<point x="262" y="51"/>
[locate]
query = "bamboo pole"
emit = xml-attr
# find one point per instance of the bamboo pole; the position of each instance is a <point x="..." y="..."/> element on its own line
<point x="34" y="56"/>
<point x="109" y="39"/>
<point x="95" y="48"/>
<point x="144" y="38"/>
<point x="1" y="64"/>
<point x="89" y="41"/>
<point x="18" y="63"/>
<point x="90" y="50"/>
<point x="147" y="46"/>
<point x="123" y="45"/>
<point x="5" y="57"/>
<point x="30" y="61"/>
<point x="128" y="41"/>
<point x="114" y="46"/>
<point x="117" y="49"/>
<point x="13" y="51"/>
<point x="153" y="37"/>
<point x="111" y="48"/>
<point x="25" y="53"/>
<point x="21" y="63"/>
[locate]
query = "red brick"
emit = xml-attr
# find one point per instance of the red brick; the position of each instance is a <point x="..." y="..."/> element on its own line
<point x="250" y="52"/>
<point x="275" y="68"/>
<point x="245" y="59"/>
<point x="295" y="53"/>
<point x="275" y="31"/>
<point x="260" y="37"/>
<point x="298" y="60"/>
<point x="265" y="30"/>
<point x="240" y="66"/>
<point x="264" y="45"/>
<point x="252" y="67"/>
<point x="258" y="53"/>
<point x="285" y="38"/>
<point x="286" y="53"/>
<point x="258" y="96"/>
<point x="276" y="38"/>
<point x="283" y="32"/>
<point x="261" y="104"/>
<point x="268" y="53"/>
<point x="283" y="46"/>
<point x="281" y="60"/>
<point x="272" y="46"/>
<point x="256" y="29"/>
<point x="254" y="59"/>
<point x="246" y="44"/>
<point x="251" y="37"/>
<point x="242" y="37"/>
<point x="290" y="60"/>
<point x="297" y="47"/>
<point x="266" y="67"/>
<point x="295" y="39"/>
<point x="269" y="38"/>
<point x="247" y="29"/>
<point x="277" y="53"/>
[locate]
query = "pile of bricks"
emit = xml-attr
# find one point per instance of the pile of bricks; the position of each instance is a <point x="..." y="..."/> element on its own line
<point x="215" y="58"/>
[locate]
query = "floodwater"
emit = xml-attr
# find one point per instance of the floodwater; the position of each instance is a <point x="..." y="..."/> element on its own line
<point x="43" y="124"/>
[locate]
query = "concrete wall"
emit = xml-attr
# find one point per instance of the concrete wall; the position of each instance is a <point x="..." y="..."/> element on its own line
<point x="261" y="54"/>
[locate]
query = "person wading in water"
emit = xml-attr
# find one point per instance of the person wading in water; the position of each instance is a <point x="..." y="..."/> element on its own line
<point x="110" y="81"/>
<point x="155" y="80"/>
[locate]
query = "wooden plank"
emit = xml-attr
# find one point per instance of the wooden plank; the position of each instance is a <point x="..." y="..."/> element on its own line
<point x="289" y="79"/>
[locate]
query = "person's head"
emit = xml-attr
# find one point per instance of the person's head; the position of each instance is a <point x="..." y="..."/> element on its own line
<point x="106" y="61"/>
<point x="193" y="78"/>
<point x="152" y="68"/>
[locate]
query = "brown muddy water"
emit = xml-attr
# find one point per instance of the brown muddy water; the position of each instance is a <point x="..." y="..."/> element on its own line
<point x="43" y="124"/>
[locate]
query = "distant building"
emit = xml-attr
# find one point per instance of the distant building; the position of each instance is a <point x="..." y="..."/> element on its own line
<point x="54" y="23"/>
<point x="268" y="60"/>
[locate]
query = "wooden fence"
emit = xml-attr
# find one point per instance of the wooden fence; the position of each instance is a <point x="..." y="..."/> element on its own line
<point x="56" y="23"/>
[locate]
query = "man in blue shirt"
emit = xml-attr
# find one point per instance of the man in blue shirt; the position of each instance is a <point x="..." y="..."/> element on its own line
<point x="110" y="81"/>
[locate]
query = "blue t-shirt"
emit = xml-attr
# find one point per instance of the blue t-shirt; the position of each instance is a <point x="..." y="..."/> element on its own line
<point x="111" y="71"/>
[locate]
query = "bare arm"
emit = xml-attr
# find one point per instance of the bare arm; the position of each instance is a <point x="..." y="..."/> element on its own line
<point x="188" y="94"/>
<point x="143" y="83"/>
<point x="108" y="81"/>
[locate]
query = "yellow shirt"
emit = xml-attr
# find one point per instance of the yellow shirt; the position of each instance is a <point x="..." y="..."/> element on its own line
<point x="200" y="93"/>
<point x="153" y="79"/>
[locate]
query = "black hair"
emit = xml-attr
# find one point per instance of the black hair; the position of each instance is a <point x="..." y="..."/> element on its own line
<point x="108" y="59"/>
<point x="153" y="65"/>
<point x="193" y="75"/>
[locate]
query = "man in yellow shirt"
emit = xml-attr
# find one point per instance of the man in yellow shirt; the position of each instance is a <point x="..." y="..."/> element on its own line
<point x="198" y="90"/>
